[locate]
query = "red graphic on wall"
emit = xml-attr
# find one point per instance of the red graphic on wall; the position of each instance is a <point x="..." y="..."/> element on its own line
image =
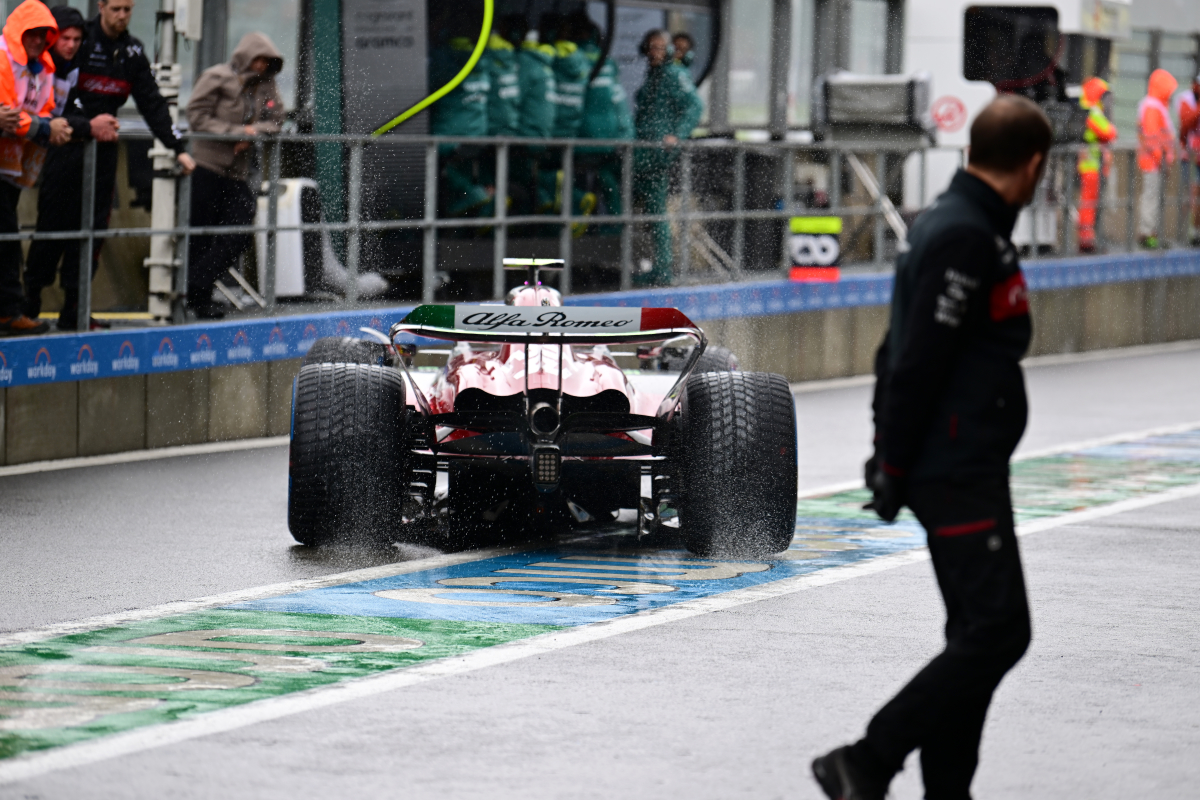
<point x="949" y="113"/>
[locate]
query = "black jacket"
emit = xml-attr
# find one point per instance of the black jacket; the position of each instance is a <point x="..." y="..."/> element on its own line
<point x="949" y="394"/>
<point x="110" y="70"/>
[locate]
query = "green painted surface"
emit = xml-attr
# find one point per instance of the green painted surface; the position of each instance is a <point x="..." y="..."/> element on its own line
<point x="123" y="681"/>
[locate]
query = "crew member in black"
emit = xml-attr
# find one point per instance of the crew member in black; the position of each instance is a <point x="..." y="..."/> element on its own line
<point x="112" y="66"/>
<point x="950" y="408"/>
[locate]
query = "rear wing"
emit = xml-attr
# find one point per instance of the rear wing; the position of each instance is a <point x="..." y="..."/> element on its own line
<point x="555" y="325"/>
<point x="547" y="324"/>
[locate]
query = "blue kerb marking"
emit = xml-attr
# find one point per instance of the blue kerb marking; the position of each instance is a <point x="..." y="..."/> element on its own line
<point x="602" y="574"/>
<point x="106" y="354"/>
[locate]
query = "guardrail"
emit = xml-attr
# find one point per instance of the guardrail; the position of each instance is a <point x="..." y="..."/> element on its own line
<point x="714" y="182"/>
<point x="148" y="351"/>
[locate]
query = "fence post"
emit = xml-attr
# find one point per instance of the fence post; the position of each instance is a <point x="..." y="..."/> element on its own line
<point x="268" y="288"/>
<point x="429" y="251"/>
<point x="83" y="312"/>
<point x="739" y="205"/>
<point x="685" y="222"/>
<point x="567" y="203"/>
<point x="1130" y="203"/>
<point x="881" y="180"/>
<point x="183" y="218"/>
<point x="627" y="210"/>
<point x="1070" y="203"/>
<point x="500" y="232"/>
<point x="789" y="192"/>
<point x="835" y="187"/>
<point x="354" y="217"/>
<point x="923" y="181"/>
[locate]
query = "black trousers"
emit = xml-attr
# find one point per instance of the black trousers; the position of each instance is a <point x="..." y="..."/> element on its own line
<point x="216" y="200"/>
<point x="942" y="709"/>
<point x="60" y="208"/>
<point x="11" y="296"/>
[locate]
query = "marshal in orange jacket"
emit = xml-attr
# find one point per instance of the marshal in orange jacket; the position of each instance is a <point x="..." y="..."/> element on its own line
<point x="29" y="87"/>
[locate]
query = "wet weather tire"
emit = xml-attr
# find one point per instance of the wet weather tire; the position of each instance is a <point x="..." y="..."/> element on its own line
<point x="348" y="466"/>
<point x="738" y="454"/>
<point x="347" y="350"/>
<point x="717" y="359"/>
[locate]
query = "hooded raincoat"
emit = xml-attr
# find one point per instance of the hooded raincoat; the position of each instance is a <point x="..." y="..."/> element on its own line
<point x="1156" y="134"/>
<point x="570" y="79"/>
<point x="536" y="72"/>
<point x="27" y="84"/>
<point x="228" y="97"/>
<point x="504" y="94"/>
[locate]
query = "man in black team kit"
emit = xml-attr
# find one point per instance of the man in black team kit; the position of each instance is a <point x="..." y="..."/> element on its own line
<point x="112" y="66"/>
<point x="950" y="408"/>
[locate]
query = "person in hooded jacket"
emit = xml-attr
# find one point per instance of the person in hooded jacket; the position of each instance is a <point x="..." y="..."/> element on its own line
<point x="40" y="268"/>
<point x="26" y="106"/>
<point x="535" y="70"/>
<point x="1156" y="143"/>
<point x="462" y="112"/>
<point x="112" y="68"/>
<point x="239" y="97"/>
<point x="668" y="108"/>
<point x="606" y="115"/>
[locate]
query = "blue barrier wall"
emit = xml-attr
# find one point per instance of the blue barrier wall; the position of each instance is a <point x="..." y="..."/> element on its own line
<point x="106" y="354"/>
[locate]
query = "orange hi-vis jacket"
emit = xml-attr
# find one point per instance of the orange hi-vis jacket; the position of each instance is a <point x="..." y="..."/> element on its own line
<point x="1156" y="134"/>
<point x="1099" y="130"/>
<point x="27" y="87"/>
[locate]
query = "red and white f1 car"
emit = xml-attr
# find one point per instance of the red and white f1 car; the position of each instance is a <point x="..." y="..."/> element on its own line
<point x="537" y="426"/>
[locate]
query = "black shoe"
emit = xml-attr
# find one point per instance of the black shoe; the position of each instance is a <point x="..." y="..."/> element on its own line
<point x="842" y="780"/>
<point x="67" y="322"/>
<point x="208" y="312"/>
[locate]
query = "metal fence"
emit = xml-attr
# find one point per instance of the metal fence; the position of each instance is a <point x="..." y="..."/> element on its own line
<point x="730" y="201"/>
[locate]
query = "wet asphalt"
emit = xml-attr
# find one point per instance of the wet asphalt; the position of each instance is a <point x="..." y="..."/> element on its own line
<point x="729" y="704"/>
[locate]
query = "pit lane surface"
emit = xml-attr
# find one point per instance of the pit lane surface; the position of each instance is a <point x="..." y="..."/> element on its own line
<point x="711" y="704"/>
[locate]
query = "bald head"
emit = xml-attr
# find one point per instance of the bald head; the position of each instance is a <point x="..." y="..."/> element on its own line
<point x="1008" y="133"/>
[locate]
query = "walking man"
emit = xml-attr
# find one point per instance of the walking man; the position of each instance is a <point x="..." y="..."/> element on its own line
<point x="950" y="408"/>
<point x="112" y="67"/>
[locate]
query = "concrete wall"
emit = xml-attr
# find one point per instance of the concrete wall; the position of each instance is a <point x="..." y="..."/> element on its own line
<point x="113" y="415"/>
<point x="110" y="415"/>
<point x="842" y="342"/>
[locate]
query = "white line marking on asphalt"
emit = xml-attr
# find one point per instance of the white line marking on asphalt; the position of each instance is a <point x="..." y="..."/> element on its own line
<point x="144" y="455"/>
<point x="1073" y="447"/>
<point x="26" y="767"/>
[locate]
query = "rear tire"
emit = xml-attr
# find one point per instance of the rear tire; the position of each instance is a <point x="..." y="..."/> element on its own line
<point x="349" y="459"/>
<point x="717" y="359"/>
<point x="738" y="464"/>
<point x="347" y="350"/>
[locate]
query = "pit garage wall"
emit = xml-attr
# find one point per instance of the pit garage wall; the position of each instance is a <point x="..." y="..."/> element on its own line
<point x="803" y="331"/>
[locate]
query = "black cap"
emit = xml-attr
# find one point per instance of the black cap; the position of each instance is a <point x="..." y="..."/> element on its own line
<point x="67" y="17"/>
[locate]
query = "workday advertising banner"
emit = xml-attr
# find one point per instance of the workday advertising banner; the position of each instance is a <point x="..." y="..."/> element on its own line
<point x="108" y="354"/>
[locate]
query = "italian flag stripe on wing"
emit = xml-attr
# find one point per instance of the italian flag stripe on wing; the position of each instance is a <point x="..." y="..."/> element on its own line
<point x="654" y="319"/>
<point x="431" y="316"/>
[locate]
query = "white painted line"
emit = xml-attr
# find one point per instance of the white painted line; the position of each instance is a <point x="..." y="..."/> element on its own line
<point x="1104" y="441"/>
<point x="144" y="455"/>
<point x="31" y="766"/>
<point x="1072" y="447"/>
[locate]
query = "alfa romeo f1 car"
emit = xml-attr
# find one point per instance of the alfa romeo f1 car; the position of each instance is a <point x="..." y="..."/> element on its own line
<point x="536" y="427"/>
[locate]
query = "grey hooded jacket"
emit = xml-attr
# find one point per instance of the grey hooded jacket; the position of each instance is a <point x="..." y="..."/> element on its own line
<point x="228" y="97"/>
